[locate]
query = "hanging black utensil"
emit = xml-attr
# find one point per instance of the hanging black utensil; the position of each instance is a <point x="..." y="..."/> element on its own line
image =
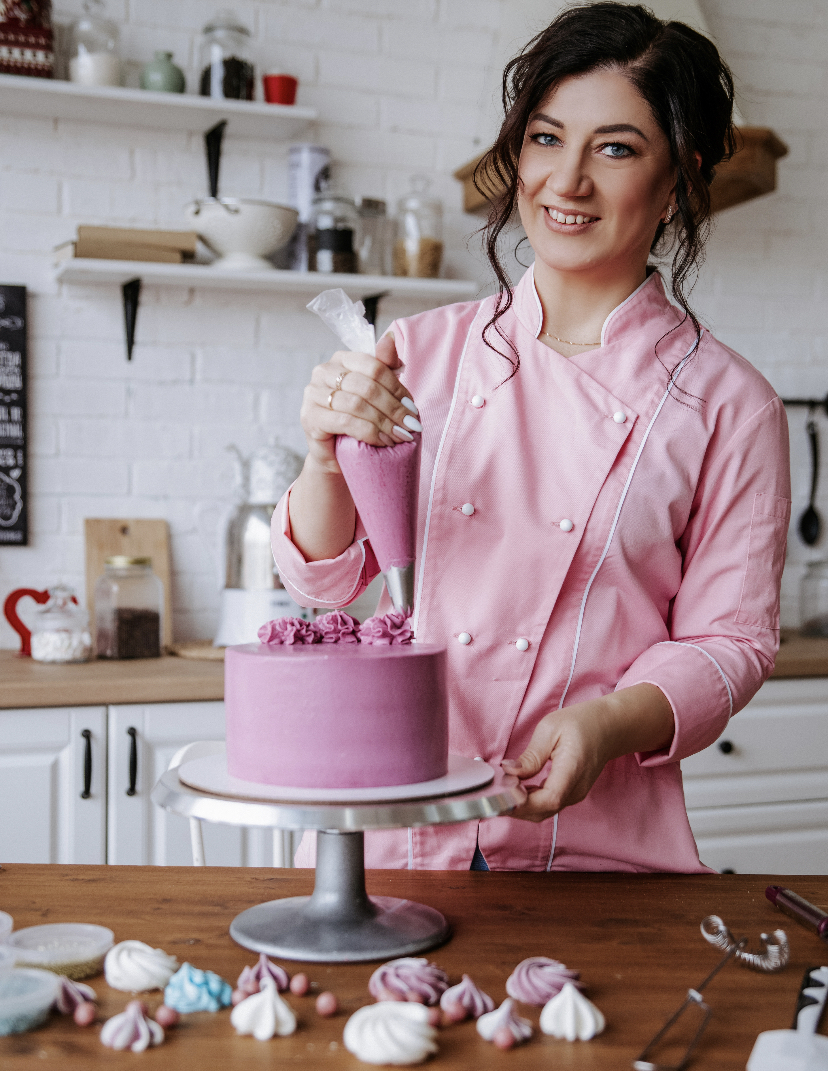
<point x="212" y="144"/>
<point x="810" y="524"/>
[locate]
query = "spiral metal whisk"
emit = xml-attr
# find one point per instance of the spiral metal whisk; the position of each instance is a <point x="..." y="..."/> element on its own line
<point x="773" y="957"/>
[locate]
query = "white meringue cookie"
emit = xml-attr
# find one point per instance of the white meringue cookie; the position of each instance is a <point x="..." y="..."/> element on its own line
<point x="489" y="1024"/>
<point x="134" y="967"/>
<point x="390" y="1032"/>
<point x="264" y="1014"/>
<point x="570" y="1015"/>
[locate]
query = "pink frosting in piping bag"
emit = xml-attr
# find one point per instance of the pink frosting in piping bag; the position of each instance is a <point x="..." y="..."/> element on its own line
<point x="383" y="481"/>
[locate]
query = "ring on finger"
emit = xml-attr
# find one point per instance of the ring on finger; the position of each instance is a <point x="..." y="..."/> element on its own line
<point x="331" y="397"/>
<point x="339" y="379"/>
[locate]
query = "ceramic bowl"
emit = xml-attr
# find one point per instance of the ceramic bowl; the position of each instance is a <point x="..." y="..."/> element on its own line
<point x="242" y="232"/>
<point x="76" y="949"/>
<point x="25" y="999"/>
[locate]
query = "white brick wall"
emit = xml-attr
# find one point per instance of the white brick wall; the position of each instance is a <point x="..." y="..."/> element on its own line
<point x="403" y="86"/>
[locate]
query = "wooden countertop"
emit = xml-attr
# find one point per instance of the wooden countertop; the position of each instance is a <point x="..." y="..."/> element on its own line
<point x="635" y="939"/>
<point x="26" y="683"/>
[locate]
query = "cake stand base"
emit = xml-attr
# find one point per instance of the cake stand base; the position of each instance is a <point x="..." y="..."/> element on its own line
<point x="339" y="923"/>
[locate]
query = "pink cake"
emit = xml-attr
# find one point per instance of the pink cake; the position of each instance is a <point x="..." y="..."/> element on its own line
<point x="331" y="707"/>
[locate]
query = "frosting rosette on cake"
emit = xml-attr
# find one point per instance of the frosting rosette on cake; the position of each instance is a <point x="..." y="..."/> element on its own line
<point x="250" y="979"/>
<point x="72" y="994"/>
<point x="264" y="1014"/>
<point x="537" y="979"/>
<point x="465" y="997"/>
<point x="287" y="631"/>
<point x="134" y="967"/>
<point x="390" y="1033"/>
<point x="132" y="1029"/>
<point x="191" y="989"/>
<point x="337" y="627"/>
<point x="570" y="1015"/>
<point x="387" y="629"/>
<point x="502" y="1018"/>
<point x="408" y="978"/>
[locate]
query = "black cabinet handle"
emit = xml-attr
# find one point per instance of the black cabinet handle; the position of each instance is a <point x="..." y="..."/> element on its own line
<point x="725" y="746"/>
<point x="87" y="764"/>
<point x="132" y="733"/>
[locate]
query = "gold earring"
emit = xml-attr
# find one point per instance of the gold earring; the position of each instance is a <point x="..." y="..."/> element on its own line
<point x="669" y="216"/>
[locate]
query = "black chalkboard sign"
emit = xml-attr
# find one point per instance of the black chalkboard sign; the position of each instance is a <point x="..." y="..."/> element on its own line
<point x="14" y="514"/>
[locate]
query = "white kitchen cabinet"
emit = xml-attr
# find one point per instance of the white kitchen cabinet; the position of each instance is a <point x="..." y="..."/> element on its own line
<point x="47" y="762"/>
<point x="46" y="816"/>
<point x="757" y="799"/>
<point x="142" y="739"/>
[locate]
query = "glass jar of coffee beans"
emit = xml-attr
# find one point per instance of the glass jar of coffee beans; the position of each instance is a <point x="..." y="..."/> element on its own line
<point x="129" y="604"/>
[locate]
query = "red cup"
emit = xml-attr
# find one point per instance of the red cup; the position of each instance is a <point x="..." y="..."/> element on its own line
<point x="279" y="88"/>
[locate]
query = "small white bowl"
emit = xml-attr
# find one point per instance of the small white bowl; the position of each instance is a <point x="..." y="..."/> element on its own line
<point x="76" y="949"/>
<point x="25" y="999"/>
<point x="242" y="232"/>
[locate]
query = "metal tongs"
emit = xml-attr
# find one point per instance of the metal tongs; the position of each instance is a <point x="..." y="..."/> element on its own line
<point x="773" y="958"/>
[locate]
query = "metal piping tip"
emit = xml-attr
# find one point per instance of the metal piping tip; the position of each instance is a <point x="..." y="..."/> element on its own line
<point x="399" y="580"/>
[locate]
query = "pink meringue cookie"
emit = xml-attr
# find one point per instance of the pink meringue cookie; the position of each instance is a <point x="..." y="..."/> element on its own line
<point x="337" y="627"/>
<point x="72" y="994"/>
<point x="493" y="1023"/>
<point x="288" y="631"/>
<point x="132" y="1029"/>
<point x="390" y="629"/>
<point x="250" y="979"/>
<point x="465" y="996"/>
<point x="537" y="979"/>
<point x="408" y="978"/>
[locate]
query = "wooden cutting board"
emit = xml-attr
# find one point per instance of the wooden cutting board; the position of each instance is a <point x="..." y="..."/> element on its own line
<point x="136" y="538"/>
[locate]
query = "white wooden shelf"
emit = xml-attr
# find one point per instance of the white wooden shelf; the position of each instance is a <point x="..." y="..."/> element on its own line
<point x="46" y="98"/>
<point x="93" y="272"/>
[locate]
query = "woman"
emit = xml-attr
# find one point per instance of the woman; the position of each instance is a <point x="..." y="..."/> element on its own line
<point x="604" y="492"/>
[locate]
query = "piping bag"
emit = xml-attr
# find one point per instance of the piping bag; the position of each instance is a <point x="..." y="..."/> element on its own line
<point x="383" y="480"/>
<point x="800" y="1049"/>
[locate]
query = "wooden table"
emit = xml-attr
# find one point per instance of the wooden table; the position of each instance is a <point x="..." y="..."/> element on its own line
<point x="635" y="939"/>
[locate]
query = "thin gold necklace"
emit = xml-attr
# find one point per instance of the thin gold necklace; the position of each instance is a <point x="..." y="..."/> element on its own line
<point x="564" y="341"/>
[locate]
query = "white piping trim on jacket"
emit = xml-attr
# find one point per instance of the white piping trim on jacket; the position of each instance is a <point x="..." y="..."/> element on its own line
<point x="613" y="527"/>
<point x="683" y="643"/>
<point x="319" y="601"/>
<point x="418" y="597"/>
<point x="626" y="301"/>
<point x="554" y="842"/>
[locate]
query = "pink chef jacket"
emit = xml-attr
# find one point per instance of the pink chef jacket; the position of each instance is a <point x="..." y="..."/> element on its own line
<point x="631" y="526"/>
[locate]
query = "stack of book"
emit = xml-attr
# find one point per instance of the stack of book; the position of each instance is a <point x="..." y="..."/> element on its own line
<point x="125" y="243"/>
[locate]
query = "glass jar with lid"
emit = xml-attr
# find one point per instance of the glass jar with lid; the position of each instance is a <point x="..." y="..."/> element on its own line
<point x="418" y="248"/>
<point x="227" y="71"/>
<point x="129" y="607"/>
<point x="60" y="632"/>
<point x="335" y="222"/>
<point x="813" y="600"/>
<point x="374" y="237"/>
<point x="93" y="48"/>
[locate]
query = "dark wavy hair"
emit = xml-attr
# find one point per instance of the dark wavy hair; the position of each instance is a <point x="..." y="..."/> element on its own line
<point x="688" y="88"/>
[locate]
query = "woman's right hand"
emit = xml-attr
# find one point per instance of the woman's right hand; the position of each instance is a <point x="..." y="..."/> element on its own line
<point x="358" y="395"/>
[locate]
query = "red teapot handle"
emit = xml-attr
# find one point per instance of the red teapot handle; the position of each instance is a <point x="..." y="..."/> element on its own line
<point x="10" y="610"/>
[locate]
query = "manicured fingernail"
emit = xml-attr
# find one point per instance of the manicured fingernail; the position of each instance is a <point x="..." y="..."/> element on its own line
<point x="410" y="406"/>
<point x="412" y="423"/>
<point x="385" y="438"/>
<point x="403" y="434"/>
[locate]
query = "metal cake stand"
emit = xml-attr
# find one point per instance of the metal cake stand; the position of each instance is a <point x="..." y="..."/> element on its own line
<point x="339" y="923"/>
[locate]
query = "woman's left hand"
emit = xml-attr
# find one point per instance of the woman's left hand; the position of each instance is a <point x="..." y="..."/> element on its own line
<point x="580" y="740"/>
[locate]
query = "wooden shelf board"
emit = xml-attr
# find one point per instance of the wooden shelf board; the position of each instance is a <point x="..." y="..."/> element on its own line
<point x="751" y="172"/>
<point x="48" y="99"/>
<point x="97" y="272"/>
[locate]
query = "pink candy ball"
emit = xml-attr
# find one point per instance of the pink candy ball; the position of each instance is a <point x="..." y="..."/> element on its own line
<point x="327" y="1005"/>
<point x="434" y="1016"/>
<point x="85" y="1013"/>
<point x="299" y="985"/>
<point x="503" y="1038"/>
<point x="455" y="1013"/>
<point x="167" y="1017"/>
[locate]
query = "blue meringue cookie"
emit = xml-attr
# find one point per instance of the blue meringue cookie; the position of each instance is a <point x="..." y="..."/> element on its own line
<point x="192" y="990"/>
